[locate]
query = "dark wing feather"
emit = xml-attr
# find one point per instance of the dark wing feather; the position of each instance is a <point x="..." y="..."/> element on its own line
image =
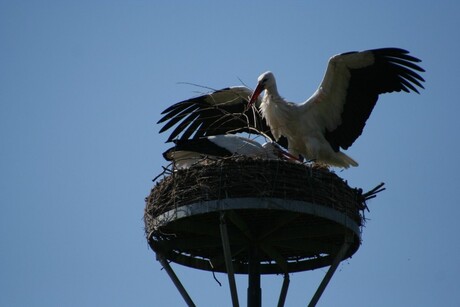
<point x="393" y="70"/>
<point x="202" y="146"/>
<point x="220" y="112"/>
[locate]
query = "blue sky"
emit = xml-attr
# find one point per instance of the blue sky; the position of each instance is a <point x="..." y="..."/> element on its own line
<point x="82" y="85"/>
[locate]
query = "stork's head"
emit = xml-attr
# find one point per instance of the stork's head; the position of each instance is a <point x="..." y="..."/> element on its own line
<point x="265" y="81"/>
<point x="273" y="150"/>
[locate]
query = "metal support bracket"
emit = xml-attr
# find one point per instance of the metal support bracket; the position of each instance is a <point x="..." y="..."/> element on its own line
<point x="284" y="290"/>
<point x="335" y="263"/>
<point x="175" y="280"/>
<point x="228" y="260"/>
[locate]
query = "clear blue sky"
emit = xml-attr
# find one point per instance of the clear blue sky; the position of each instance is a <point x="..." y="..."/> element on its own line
<point x="82" y="84"/>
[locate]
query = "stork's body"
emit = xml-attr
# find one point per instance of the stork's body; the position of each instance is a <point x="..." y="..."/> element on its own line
<point x="301" y="125"/>
<point x="186" y="153"/>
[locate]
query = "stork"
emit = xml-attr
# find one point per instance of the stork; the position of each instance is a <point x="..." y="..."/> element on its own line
<point x="330" y="120"/>
<point x="186" y="153"/>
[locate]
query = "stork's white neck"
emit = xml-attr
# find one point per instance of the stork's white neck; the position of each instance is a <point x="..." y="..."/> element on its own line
<point x="271" y="93"/>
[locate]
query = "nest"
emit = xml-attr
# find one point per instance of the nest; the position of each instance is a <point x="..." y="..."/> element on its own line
<point x="295" y="242"/>
<point x="240" y="177"/>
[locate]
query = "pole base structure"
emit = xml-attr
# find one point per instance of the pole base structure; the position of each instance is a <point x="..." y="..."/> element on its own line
<point x="254" y="237"/>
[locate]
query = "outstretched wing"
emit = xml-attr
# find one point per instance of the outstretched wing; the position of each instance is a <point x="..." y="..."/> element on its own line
<point x="352" y="85"/>
<point x="220" y="112"/>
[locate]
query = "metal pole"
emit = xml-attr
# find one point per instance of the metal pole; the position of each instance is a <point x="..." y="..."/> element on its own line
<point x="228" y="260"/>
<point x="284" y="290"/>
<point x="254" y="291"/>
<point x="330" y="272"/>
<point x="175" y="280"/>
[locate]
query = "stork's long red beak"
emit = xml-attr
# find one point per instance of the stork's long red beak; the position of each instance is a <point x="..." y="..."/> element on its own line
<point x="255" y="95"/>
<point x="288" y="156"/>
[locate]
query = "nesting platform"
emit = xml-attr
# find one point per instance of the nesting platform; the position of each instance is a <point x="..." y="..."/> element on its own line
<point x="290" y="216"/>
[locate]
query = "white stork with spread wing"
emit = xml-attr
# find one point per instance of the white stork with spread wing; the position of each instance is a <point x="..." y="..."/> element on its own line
<point x="330" y="120"/>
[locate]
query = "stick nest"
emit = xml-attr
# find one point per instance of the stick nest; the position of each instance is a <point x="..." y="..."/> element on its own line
<point x="240" y="177"/>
